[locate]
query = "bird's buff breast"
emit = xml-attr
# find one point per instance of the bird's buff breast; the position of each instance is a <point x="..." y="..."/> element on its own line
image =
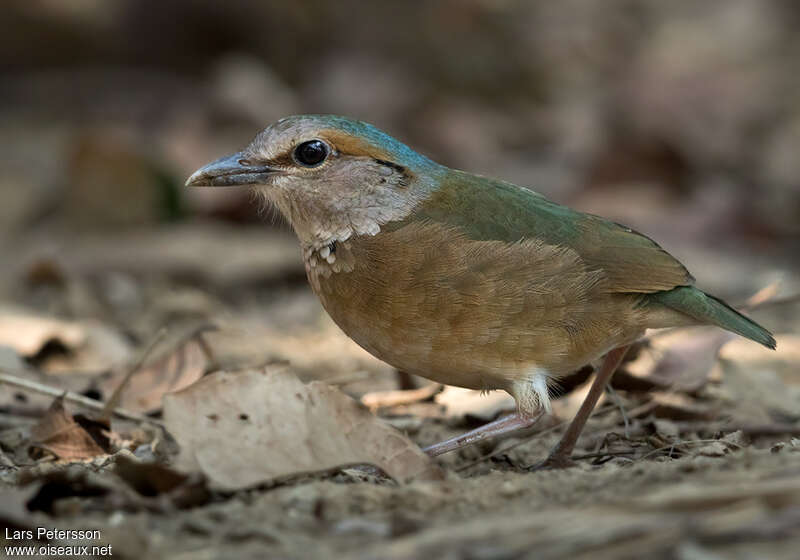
<point x="429" y="301"/>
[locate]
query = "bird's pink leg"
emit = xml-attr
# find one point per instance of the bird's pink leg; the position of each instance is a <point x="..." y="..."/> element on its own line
<point x="560" y="456"/>
<point x="499" y="427"/>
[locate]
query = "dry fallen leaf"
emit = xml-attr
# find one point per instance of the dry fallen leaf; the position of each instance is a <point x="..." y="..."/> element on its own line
<point x="59" y="433"/>
<point x="761" y="385"/>
<point x="181" y="364"/>
<point x="160" y="481"/>
<point x="103" y="348"/>
<point x="248" y="427"/>
<point x="28" y="333"/>
<point x="679" y="360"/>
<point x="88" y="347"/>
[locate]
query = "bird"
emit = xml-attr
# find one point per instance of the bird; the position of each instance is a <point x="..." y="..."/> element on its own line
<point x="463" y="279"/>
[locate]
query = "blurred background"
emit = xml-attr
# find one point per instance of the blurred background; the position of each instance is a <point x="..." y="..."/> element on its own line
<point x="680" y="119"/>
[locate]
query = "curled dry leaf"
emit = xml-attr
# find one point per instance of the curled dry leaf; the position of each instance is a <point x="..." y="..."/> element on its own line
<point x="177" y="363"/>
<point x="679" y="360"/>
<point x="249" y="427"/>
<point x="59" y="433"/>
<point x="761" y="386"/>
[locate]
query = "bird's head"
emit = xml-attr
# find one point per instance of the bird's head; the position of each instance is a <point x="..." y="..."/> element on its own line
<point x="331" y="177"/>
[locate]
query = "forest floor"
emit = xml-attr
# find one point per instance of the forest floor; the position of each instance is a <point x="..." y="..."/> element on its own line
<point x="694" y="453"/>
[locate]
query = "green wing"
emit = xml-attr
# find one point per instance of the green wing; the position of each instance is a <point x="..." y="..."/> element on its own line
<point x="486" y="209"/>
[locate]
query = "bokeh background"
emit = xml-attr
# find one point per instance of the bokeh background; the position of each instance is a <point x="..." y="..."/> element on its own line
<point x="678" y="118"/>
<point x="681" y="118"/>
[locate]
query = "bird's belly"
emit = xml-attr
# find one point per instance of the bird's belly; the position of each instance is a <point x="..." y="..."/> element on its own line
<point x="477" y="319"/>
<point x="431" y="346"/>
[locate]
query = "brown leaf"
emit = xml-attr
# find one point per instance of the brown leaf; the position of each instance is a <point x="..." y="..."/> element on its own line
<point x="679" y="360"/>
<point x="245" y="428"/>
<point x="184" y="365"/>
<point x="59" y="433"/>
<point x="761" y="385"/>
<point x="155" y="480"/>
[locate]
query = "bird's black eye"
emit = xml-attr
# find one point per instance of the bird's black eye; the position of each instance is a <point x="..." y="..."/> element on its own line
<point x="311" y="153"/>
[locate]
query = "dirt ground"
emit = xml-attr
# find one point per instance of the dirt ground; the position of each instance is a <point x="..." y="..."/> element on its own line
<point x="741" y="505"/>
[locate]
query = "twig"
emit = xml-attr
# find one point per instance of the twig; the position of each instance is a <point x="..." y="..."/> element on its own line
<point x="149" y="352"/>
<point x="762" y="296"/>
<point x="208" y="352"/>
<point x="74" y="398"/>
<point x="750" y="430"/>
<point x="618" y="401"/>
<point x="347" y="378"/>
<point x="794" y="298"/>
<point x="385" y="399"/>
<point x="690" y="442"/>
<point x="756" y="430"/>
<point x="182" y="338"/>
<point x="671" y="447"/>
<point x="603" y="454"/>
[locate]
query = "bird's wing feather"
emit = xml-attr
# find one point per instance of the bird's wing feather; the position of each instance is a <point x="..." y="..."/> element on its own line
<point x="487" y="209"/>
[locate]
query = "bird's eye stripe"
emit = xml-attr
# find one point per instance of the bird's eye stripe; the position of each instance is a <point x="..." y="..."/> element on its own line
<point x="393" y="165"/>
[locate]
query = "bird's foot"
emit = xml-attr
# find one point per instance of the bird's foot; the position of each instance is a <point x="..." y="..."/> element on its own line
<point x="504" y="426"/>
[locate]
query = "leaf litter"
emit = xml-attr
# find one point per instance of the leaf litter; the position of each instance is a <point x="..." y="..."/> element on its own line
<point x="246" y="428"/>
<point x="225" y="454"/>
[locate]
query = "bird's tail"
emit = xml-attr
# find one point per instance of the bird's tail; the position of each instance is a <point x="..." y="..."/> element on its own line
<point x="710" y="310"/>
